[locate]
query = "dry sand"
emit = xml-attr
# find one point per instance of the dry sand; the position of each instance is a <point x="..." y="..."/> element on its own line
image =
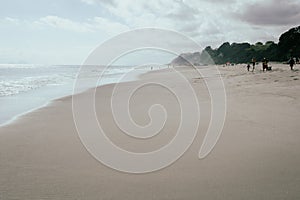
<point x="257" y="156"/>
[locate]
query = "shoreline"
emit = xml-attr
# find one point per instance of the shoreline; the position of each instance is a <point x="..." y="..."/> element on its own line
<point x="15" y="118"/>
<point x="49" y="102"/>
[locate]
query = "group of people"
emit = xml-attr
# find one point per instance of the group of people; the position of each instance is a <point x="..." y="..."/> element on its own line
<point x="253" y="62"/>
<point x="292" y="61"/>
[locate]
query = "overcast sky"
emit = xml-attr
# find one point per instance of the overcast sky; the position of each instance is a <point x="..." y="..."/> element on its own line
<point x="66" y="31"/>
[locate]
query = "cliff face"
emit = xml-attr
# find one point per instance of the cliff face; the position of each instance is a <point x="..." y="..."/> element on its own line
<point x="187" y="59"/>
<point x="289" y="45"/>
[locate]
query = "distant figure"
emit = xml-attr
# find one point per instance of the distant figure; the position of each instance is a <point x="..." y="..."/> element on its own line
<point x="265" y="64"/>
<point x="253" y="64"/>
<point x="151" y="68"/>
<point x="297" y="60"/>
<point x="292" y="63"/>
<point x="248" y="67"/>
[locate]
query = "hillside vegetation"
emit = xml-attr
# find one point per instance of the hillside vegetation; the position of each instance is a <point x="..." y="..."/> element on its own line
<point x="288" y="45"/>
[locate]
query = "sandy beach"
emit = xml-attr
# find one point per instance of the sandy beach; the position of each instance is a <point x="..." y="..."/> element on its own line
<point x="256" y="157"/>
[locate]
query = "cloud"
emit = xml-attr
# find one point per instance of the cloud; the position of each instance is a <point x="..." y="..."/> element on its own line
<point x="11" y="20"/>
<point x="65" y="24"/>
<point x="272" y="12"/>
<point x="90" y="2"/>
<point x="207" y="21"/>
<point x="222" y="1"/>
<point x="95" y="24"/>
<point x="93" y="2"/>
<point x="104" y="24"/>
<point x="183" y="12"/>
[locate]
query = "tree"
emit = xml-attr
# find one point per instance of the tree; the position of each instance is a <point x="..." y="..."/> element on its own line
<point x="289" y="45"/>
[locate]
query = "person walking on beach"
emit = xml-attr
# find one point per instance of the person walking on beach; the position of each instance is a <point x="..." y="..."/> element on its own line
<point x="292" y="63"/>
<point x="265" y="64"/>
<point x="253" y="64"/>
<point x="248" y="67"/>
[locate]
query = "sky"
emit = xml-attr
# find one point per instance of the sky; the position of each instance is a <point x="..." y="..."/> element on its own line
<point x="67" y="31"/>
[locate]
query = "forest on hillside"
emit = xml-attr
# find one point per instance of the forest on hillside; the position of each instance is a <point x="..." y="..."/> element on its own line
<point x="288" y="46"/>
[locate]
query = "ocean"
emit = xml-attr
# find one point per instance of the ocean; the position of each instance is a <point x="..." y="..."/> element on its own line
<point x="26" y="87"/>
